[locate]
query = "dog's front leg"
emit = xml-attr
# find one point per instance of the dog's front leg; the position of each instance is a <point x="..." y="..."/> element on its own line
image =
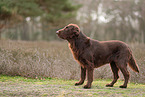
<point x="83" y="77"/>
<point x="89" y="77"/>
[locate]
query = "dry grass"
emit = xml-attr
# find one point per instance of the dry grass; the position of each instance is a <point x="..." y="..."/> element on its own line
<point x="37" y="59"/>
<point x="54" y="59"/>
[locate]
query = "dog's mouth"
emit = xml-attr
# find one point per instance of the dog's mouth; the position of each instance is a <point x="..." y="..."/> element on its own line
<point x="59" y="35"/>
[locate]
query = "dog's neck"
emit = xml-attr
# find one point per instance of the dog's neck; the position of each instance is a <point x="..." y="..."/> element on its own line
<point x="80" y="42"/>
<point x="82" y="35"/>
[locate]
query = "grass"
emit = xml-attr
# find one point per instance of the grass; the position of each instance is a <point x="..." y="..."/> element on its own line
<point x="53" y="87"/>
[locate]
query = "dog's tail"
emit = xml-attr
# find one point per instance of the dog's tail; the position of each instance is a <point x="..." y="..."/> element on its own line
<point x="133" y="65"/>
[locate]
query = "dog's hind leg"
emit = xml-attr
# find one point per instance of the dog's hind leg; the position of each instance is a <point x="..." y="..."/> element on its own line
<point x="115" y="74"/>
<point x="123" y="68"/>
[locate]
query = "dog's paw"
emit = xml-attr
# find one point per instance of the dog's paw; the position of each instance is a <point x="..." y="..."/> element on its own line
<point x="109" y="85"/>
<point x="76" y="84"/>
<point x="122" y="86"/>
<point x="87" y="87"/>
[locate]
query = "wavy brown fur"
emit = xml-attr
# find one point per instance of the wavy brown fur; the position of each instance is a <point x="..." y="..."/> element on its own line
<point x="93" y="53"/>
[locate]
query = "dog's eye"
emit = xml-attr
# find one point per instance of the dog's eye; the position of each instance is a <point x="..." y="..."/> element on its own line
<point x="77" y="30"/>
<point x="66" y="28"/>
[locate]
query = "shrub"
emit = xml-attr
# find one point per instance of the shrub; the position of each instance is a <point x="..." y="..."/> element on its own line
<point x="54" y="59"/>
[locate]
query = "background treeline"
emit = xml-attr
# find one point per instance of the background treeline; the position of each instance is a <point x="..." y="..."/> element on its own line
<point x="34" y="19"/>
<point x="100" y="19"/>
<point x="114" y="19"/>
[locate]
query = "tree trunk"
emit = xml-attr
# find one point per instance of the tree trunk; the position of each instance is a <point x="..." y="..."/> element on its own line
<point x="24" y="33"/>
<point x="0" y="34"/>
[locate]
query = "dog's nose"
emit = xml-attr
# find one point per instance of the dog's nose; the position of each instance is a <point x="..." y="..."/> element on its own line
<point x="57" y="32"/>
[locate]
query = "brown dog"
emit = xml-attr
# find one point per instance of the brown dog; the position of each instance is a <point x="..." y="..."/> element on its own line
<point x="93" y="54"/>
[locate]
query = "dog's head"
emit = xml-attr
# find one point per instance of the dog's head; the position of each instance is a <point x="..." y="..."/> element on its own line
<point x="68" y="32"/>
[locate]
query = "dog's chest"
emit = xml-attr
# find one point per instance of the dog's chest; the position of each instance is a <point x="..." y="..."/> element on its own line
<point x="76" y="52"/>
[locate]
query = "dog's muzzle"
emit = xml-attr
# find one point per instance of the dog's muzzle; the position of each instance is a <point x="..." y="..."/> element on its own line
<point x="57" y="32"/>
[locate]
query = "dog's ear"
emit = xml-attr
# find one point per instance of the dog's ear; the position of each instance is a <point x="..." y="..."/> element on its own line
<point x="74" y="34"/>
<point x="75" y="31"/>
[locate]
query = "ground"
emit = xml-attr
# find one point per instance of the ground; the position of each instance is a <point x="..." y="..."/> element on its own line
<point x="53" y="87"/>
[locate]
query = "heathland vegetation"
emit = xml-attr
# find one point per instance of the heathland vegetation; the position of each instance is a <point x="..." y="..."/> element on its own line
<point x="54" y="59"/>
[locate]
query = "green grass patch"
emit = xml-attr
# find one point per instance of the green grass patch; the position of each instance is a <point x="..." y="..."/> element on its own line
<point x="54" y="87"/>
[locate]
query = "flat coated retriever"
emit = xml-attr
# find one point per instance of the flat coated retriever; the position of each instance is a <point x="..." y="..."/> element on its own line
<point x="93" y="53"/>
